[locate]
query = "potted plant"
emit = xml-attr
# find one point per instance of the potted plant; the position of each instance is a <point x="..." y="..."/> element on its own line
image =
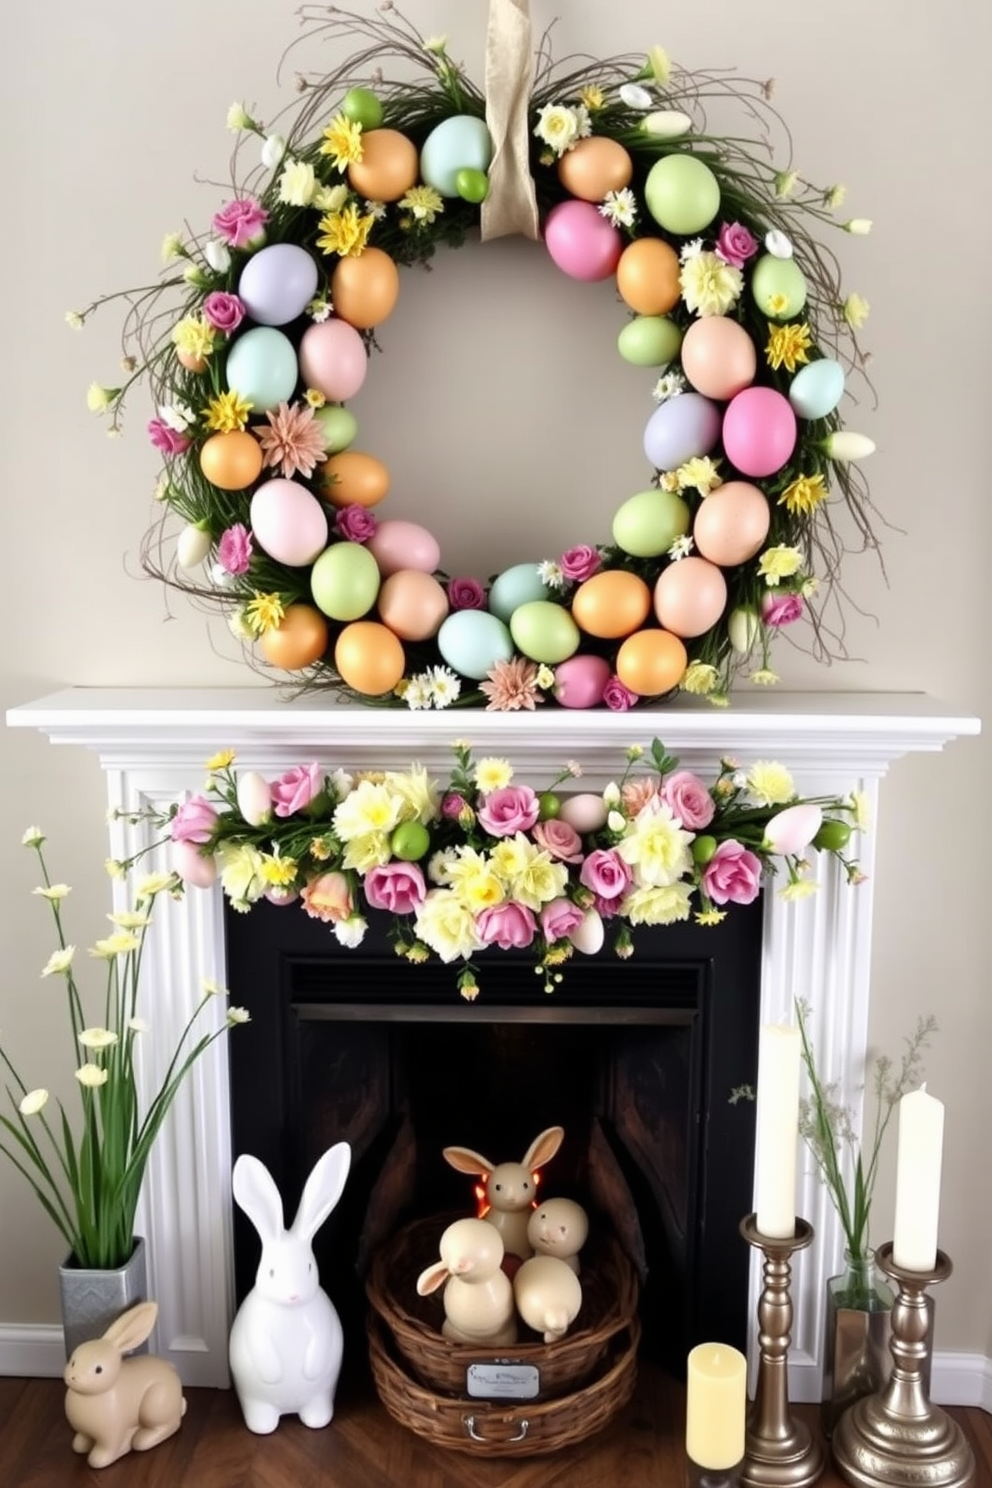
<point x="87" y="1174"/>
<point x="856" y="1356"/>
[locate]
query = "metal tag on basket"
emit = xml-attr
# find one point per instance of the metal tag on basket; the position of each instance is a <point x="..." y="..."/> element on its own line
<point x="503" y="1380"/>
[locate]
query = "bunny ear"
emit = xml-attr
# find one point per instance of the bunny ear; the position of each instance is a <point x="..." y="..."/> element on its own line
<point x="431" y="1279"/>
<point x="467" y="1161"/>
<point x="544" y="1147"/>
<point x="132" y="1327"/>
<point x="322" y="1190"/>
<point x="258" y="1196"/>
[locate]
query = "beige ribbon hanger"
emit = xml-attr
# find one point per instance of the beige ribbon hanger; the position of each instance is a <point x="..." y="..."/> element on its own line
<point x="511" y="205"/>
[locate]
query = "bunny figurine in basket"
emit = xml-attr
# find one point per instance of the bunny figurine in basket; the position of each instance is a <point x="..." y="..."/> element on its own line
<point x="560" y="1228"/>
<point x="286" y="1342"/>
<point x="510" y="1187"/>
<point x="117" y="1405"/>
<point x="478" y="1297"/>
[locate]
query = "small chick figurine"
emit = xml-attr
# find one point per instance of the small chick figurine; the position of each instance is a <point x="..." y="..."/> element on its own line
<point x="559" y="1228"/>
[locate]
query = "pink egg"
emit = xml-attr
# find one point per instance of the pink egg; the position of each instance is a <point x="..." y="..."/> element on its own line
<point x="288" y="522"/>
<point x="759" y="431"/>
<point x="333" y="359"/>
<point x="413" y="604"/>
<point x="718" y="357"/>
<point x="584" y="812"/>
<point x="396" y="544"/>
<point x="731" y="524"/>
<point x="581" y="681"/>
<point x="192" y="868"/>
<point x="583" y="243"/>
<point x="690" y="596"/>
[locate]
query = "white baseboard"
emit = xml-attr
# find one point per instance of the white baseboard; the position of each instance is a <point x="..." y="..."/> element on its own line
<point x="32" y="1350"/>
<point x="962" y="1379"/>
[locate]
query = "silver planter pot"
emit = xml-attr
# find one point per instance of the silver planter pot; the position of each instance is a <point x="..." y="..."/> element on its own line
<point x="92" y="1299"/>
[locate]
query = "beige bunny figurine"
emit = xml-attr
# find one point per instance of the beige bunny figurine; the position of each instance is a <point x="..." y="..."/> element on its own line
<point x="510" y="1187"/>
<point x="117" y="1405"/>
<point x="478" y="1297"/>
<point x="548" y="1296"/>
<point x="559" y="1227"/>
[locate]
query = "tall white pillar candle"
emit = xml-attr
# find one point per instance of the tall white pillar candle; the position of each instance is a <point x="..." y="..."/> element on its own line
<point x="918" y="1157"/>
<point x="777" y="1130"/>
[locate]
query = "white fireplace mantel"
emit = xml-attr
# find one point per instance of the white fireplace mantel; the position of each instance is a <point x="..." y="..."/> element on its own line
<point x="152" y="744"/>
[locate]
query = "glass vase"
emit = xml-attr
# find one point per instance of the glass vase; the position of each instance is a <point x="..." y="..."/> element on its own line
<point x="856" y="1357"/>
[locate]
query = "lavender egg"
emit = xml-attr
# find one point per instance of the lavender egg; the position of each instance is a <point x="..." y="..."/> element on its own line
<point x="681" y="429"/>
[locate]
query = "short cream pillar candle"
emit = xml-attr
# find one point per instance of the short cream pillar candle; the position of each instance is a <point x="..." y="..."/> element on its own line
<point x="716" y="1406"/>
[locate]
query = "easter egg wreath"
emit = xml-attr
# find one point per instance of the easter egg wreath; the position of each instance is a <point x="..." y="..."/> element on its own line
<point x="274" y="510"/>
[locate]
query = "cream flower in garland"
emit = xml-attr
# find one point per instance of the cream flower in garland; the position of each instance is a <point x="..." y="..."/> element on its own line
<point x="709" y="285"/>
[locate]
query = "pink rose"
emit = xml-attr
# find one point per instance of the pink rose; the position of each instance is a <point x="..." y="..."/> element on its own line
<point x="735" y="244"/>
<point x="241" y="223"/>
<point x="508" y="925"/>
<point x="781" y="609"/>
<point x="559" y="839"/>
<point x="235" y="549"/>
<point x="452" y="805"/>
<point x="224" y="312"/>
<point x="514" y="808"/>
<point x="466" y="594"/>
<point x="560" y="918"/>
<point x="355" y="523"/>
<point x="606" y="873"/>
<point x="168" y="441"/>
<point x="732" y="875"/>
<point x="296" y="789"/>
<point x="688" y="799"/>
<point x="579" y="564"/>
<point x="327" y="898"/>
<point x="398" y="887"/>
<point x="194" y="821"/>
<point x="617" y="697"/>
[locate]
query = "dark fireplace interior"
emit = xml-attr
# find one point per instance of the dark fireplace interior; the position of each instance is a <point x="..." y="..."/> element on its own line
<point x="636" y="1060"/>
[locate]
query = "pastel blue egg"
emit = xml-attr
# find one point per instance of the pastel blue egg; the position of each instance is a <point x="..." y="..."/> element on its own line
<point x="514" y="587"/>
<point x="277" y="284"/>
<point x="681" y="429"/>
<point x="545" y="631"/>
<point x="472" y="641"/>
<point x="261" y="368"/>
<point x="456" y="144"/>
<point x="817" y="389"/>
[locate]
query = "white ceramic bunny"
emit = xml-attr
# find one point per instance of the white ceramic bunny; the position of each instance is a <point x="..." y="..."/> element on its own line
<point x="117" y="1405"/>
<point x="510" y="1187"/>
<point x="548" y="1296"/>
<point x="286" y="1342"/>
<point x="559" y="1227"/>
<point x="478" y="1297"/>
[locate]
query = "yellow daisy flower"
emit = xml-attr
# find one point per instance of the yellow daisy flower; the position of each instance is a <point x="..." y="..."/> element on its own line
<point x="804" y="494"/>
<point x="342" y="140"/>
<point x="787" y="346"/>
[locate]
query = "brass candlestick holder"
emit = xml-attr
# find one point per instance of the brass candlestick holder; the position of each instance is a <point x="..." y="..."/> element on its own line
<point x="779" y="1451"/>
<point x="896" y="1438"/>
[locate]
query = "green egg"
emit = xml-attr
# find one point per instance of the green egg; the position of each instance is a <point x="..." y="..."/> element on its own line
<point x="339" y="425"/>
<point x="778" y="287"/>
<point x="647" y="524"/>
<point x="345" y="581"/>
<point x="682" y="194"/>
<point x="544" y="631"/>
<point x="361" y="106"/>
<point x="472" y="185"/>
<point x="649" y="341"/>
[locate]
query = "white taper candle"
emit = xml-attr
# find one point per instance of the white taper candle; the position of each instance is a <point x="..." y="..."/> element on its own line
<point x="777" y="1130"/>
<point x="918" y="1158"/>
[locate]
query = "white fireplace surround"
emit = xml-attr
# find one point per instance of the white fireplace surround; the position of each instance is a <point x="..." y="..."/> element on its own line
<point x="153" y="743"/>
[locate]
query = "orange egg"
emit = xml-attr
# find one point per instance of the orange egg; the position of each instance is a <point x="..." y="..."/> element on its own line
<point x="389" y="166"/>
<point x="595" y="166"/>
<point x="611" y="604"/>
<point x="298" y="641"/>
<point x="231" y="461"/>
<point x="732" y="523"/>
<point x="190" y="362"/>
<point x="369" y="658"/>
<point x="352" y="478"/>
<point x="651" y="662"/>
<point x="364" y="290"/>
<point x="413" y="604"/>
<point x="648" y="276"/>
<point x="690" y="596"/>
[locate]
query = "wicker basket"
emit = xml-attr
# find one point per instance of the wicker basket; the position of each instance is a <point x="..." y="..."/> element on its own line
<point x="499" y="1429"/>
<point x="609" y="1306"/>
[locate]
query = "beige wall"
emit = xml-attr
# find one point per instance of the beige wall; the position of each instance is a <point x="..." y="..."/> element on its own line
<point x="112" y="107"/>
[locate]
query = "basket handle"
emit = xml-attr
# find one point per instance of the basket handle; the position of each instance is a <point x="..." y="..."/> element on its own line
<point x="469" y="1423"/>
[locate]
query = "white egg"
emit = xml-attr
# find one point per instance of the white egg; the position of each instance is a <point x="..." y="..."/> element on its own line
<point x="588" y="936"/>
<point x="584" y="812"/>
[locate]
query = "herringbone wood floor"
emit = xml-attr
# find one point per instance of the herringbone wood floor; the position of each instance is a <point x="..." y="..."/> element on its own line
<point x="363" y="1448"/>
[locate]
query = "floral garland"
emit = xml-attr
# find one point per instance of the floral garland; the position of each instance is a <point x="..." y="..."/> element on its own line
<point x="483" y="861"/>
<point x="732" y="309"/>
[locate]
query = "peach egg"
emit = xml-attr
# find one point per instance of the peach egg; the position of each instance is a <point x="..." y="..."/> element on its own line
<point x="690" y="596"/>
<point x="389" y="166"/>
<point x="352" y="478"/>
<point x="611" y="604"/>
<point x="651" y="662"/>
<point x="648" y="276"/>
<point x="298" y="640"/>
<point x="595" y="166"/>
<point x="369" y="657"/>
<point x="412" y="604"/>
<point x="231" y="461"/>
<point x="364" y="290"/>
